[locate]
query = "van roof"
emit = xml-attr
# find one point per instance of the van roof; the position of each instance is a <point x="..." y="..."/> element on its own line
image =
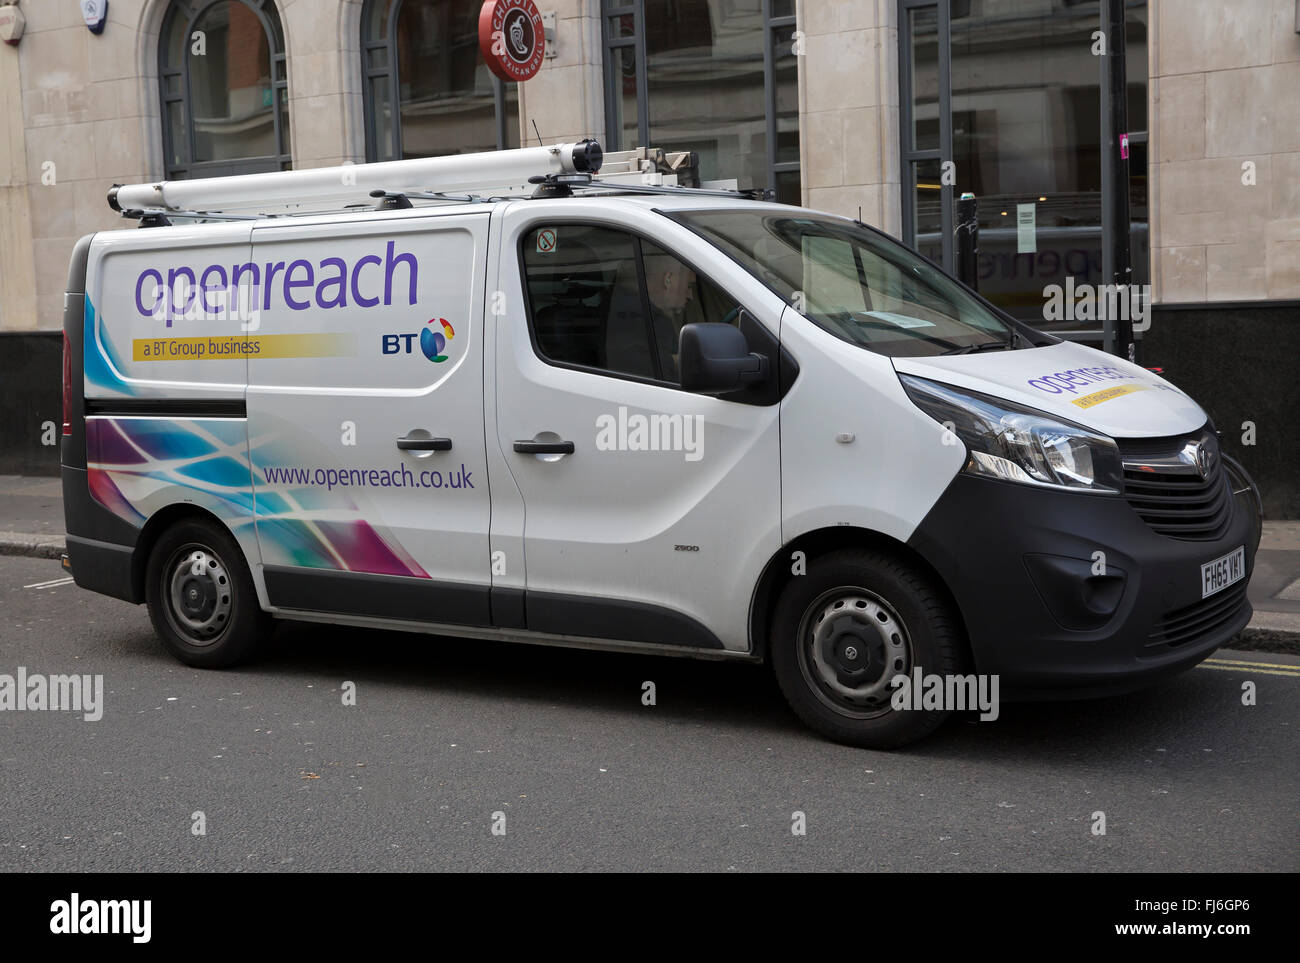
<point x="603" y="195"/>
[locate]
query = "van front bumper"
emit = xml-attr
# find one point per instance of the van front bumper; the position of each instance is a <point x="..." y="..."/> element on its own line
<point x="1052" y="617"/>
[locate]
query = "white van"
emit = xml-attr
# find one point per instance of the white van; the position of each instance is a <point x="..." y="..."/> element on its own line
<point x="511" y="400"/>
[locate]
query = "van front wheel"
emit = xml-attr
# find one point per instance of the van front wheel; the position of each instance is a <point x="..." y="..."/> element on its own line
<point x="845" y="629"/>
<point x="201" y="597"/>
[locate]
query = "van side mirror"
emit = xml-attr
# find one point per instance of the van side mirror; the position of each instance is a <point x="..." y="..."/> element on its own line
<point x="715" y="358"/>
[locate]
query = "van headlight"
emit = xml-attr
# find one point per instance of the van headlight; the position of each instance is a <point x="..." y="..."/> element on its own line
<point x="1020" y="444"/>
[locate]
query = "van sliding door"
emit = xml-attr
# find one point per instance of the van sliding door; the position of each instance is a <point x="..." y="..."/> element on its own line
<point x="365" y="417"/>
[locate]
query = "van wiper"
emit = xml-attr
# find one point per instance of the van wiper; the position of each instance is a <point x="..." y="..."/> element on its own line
<point x="982" y="346"/>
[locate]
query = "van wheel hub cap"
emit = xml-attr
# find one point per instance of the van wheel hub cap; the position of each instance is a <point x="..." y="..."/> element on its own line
<point x="199" y="592"/>
<point x="852" y="644"/>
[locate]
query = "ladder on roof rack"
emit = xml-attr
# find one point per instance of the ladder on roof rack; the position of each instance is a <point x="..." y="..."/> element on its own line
<point x="332" y="188"/>
<point x="554" y="171"/>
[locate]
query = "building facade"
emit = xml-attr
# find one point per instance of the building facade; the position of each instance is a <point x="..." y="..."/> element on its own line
<point x="885" y="110"/>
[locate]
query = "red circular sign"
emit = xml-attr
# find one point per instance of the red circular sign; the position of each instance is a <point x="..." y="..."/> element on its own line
<point x="511" y="38"/>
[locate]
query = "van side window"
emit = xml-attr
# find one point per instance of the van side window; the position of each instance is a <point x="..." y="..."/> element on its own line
<point x="601" y="298"/>
<point x="678" y="296"/>
<point x="585" y="295"/>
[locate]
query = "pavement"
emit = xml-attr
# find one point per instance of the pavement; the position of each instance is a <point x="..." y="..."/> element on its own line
<point x="31" y="516"/>
<point x="31" y="524"/>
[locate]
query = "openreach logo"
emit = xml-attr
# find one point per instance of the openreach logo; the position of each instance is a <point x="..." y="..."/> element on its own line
<point x="945" y="693"/>
<point x="657" y="432"/>
<point x="75" y="917"/>
<point x="28" y="692"/>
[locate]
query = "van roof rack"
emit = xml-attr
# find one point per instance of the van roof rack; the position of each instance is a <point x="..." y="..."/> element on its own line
<point x="537" y="172"/>
<point x="331" y="188"/>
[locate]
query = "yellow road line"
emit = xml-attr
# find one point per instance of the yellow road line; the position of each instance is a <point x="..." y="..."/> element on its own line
<point x="1268" y="665"/>
<point x="1244" y="668"/>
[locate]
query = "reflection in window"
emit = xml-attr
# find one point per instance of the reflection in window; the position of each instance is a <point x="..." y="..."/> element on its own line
<point x="852" y="282"/>
<point x="585" y="299"/>
<point x="677" y="297"/>
<point x="710" y="86"/>
<point x="224" y="95"/>
<point x="591" y="304"/>
<point x="1026" y="119"/>
<point x="428" y="91"/>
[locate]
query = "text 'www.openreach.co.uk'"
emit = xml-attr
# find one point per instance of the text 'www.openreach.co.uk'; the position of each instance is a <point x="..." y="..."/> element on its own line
<point x="401" y="477"/>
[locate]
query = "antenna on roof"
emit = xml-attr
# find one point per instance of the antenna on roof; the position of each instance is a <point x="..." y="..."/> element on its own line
<point x="536" y="131"/>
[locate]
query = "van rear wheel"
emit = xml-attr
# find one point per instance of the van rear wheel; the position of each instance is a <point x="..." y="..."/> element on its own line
<point x="845" y="629"/>
<point x="201" y="597"/>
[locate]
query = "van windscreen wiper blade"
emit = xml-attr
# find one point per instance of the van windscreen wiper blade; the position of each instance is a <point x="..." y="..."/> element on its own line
<point x="982" y="346"/>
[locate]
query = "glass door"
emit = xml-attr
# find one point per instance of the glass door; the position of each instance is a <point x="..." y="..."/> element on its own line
<point x="1004" y="100"/>
<point x="925" y="128"/>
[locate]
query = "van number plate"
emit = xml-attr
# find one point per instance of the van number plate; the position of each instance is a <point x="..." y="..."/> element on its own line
<point x="1222" y="572"/>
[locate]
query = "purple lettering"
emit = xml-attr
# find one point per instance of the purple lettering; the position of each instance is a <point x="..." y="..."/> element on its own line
<point x="356" y="274"/>
<point x="342" y="281"/>
<point x="203" y="284"/>
<point x="391" y="266"/>
<point x="290" y="284"/>
<point x="271" y="269"/>
<point x="157" y="293"/>
<point x="327" y="281"/>
<point x="174" y="275"/>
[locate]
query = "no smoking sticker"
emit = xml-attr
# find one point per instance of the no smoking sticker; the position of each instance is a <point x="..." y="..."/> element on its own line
<point x="546" y="241"/>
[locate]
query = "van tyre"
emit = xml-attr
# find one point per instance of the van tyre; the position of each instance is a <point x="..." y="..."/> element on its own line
<point x="843" y="630"/>
<point x="201" y="596"/>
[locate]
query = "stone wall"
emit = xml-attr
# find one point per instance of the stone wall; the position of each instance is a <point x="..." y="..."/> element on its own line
<point x="848" y="106"/>
<point x="566" y="97"/>
<point x="1224" y="78"/>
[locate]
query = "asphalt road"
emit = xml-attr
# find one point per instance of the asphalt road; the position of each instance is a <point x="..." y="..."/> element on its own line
<point x="447" y="732"/>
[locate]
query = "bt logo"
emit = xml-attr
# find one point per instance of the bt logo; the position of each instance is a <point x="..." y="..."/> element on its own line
<point x="432" y="342"/>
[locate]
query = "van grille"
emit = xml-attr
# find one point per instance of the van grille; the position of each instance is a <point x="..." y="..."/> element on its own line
<point x="1198" y="620"/>
<point x="1165" y="486"/>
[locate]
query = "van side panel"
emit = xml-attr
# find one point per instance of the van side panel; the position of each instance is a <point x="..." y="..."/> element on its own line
<point x="157" y="415"/>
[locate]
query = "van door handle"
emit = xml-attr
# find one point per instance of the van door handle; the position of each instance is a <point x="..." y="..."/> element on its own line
<point x="529" y="447"/>
<point x="408" y="443"/>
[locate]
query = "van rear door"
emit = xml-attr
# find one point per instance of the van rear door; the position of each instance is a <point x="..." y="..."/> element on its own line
<point x="365" y="416"/>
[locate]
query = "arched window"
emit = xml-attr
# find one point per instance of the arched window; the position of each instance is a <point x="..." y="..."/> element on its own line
<point x="427" y="89"/>
<point x="225" y="100"/>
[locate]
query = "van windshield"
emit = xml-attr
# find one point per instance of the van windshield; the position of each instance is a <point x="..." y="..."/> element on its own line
<point x="854" y="283"/>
